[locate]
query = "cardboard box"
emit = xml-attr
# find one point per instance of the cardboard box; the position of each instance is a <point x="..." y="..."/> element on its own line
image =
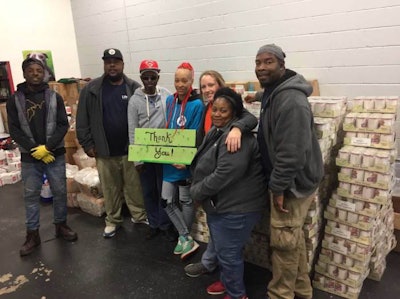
<point x="68" y="91"/>
<point x="93" y="191"/>
<point x="397" y="235"/>
<point x="397" y="221"/>
<point x="92" y="205"/>
<point x="255" y="86"/>
<point x="3" y="113"/>
<point x="72" y="186"/>
<point x="82" y="160"/>
<point x="396" y="203"/>
<point x="315" y="86"/>
<point x="72" y="200"/>
<point x="69" y="138"/>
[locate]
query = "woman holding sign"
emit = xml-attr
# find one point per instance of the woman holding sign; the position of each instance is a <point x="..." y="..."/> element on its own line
<point x="230" y="187"/>
<point x="184" y="111"/>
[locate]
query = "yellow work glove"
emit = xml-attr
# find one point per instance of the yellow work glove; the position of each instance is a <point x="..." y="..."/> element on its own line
<point x="39" y="152"/>
<point x="49" y="158"/>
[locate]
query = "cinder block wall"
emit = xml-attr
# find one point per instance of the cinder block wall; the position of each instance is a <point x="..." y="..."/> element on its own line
<point x="351" y="47"/>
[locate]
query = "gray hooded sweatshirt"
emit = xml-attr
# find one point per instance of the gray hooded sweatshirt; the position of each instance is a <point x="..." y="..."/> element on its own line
<point x="289" y="133"/>
<point x="146" y="112"/>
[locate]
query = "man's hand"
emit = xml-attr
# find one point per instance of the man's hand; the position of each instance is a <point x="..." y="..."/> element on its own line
<point x="49" y="158"/>
<point x="140" y="168"/>
<point x="233" y="140"/>
<point x="91" y="152"/>
<point x="278" y="201"/>
<point x="39" y="152"/>
<point x="250" y="97"/>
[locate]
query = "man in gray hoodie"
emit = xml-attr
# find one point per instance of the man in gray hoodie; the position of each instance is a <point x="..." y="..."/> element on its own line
<point x="146" y="109"/>
<point x="293" y="166"/>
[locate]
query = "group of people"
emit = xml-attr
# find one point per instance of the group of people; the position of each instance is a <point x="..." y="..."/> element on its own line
<point x="234" y="175"/>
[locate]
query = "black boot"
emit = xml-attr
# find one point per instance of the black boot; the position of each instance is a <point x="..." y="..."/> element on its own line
<point x="171" y="234"/>
<point x="65" y="232"/>
<point x="32" y="241"/>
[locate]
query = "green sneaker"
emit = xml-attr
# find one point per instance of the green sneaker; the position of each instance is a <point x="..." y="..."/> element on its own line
<point x="178" y="248"/>
<point x="189" y="246"/>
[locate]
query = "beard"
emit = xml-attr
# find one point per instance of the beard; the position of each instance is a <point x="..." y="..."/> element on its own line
<point x="115" y="78"/>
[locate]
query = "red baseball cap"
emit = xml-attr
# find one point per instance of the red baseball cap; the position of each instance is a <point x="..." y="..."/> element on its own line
<point x="149" y="65"/>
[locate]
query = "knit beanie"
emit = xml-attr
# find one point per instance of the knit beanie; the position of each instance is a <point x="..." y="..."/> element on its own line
<point x="29" y="61"/>
<point x="272" y="49"/>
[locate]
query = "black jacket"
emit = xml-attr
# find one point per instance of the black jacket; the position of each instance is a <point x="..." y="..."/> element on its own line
<point x="89" y="118"/>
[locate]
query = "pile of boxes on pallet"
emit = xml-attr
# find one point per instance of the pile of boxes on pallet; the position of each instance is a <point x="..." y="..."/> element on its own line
<point x="89" y="197"/>
<point x="328" y="118"/>
<point x="359" y="229"/>
<point x="83" y="184"/>
<point x="10" y="166"/>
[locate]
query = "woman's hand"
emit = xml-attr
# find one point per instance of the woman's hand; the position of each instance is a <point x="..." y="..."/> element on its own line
<point x="179" y="166"/>
<point x="233" y="140"/>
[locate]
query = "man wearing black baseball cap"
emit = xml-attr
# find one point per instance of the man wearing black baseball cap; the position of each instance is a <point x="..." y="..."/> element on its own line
<point x="102" y="130"/>
<point x="112" y="53"/>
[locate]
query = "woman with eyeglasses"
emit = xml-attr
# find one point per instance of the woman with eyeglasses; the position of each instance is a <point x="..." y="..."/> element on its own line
<point x="147" y="109"/>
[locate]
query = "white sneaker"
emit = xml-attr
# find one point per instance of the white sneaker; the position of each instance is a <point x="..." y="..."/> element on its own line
<point x="144" y="221"/>
<point x="109" y="231"/>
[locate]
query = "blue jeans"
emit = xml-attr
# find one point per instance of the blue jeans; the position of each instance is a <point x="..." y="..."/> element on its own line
<point x="32" y="177"/>
<point x="229" y="233"/>
<point x="151" y="181"/>
<point x="209" y="258"/>
<point x="182" y="217"/>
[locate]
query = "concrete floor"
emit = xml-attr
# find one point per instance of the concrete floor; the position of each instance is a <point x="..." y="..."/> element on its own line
<point x="126" y="266"/>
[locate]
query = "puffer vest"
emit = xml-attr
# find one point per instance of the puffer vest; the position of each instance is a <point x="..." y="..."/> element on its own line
<point x="51" y="115"/>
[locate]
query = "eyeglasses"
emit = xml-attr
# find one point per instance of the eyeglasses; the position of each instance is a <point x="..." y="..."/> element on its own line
<point x="149" y="78"/>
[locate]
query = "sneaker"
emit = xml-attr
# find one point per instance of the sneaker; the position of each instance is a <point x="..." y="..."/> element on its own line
<point x="143" y="221"/>
<point x="178" y="248"/>
<point x="195" y="270"/>
<point x="188" y="247"/>
<point x="217" y="288"/>
<point x="110" y="231"/>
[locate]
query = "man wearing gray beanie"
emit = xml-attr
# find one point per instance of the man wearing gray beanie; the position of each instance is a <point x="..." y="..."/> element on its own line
<point x="292" y="161"/>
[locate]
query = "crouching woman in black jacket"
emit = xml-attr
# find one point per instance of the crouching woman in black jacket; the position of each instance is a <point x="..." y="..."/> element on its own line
<point x="231" y="188"/>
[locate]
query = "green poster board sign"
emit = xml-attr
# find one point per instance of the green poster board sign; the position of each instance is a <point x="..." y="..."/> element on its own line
<point x="169" y="146"/>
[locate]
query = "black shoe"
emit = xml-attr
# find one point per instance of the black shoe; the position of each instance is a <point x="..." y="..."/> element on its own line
<point x="32" y="241"/>
<point x="170" y="234"/>
<point x="151" y="233"/>
<point x="65" y="232"/>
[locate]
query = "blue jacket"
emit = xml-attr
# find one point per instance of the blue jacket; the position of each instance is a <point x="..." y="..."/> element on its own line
<point x="193" y="114"/>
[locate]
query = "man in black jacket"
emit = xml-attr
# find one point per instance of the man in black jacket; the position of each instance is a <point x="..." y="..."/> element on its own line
<point x="293" y="165"/>
<point x="102" y="130"/>
<point x="38" y="123"/>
